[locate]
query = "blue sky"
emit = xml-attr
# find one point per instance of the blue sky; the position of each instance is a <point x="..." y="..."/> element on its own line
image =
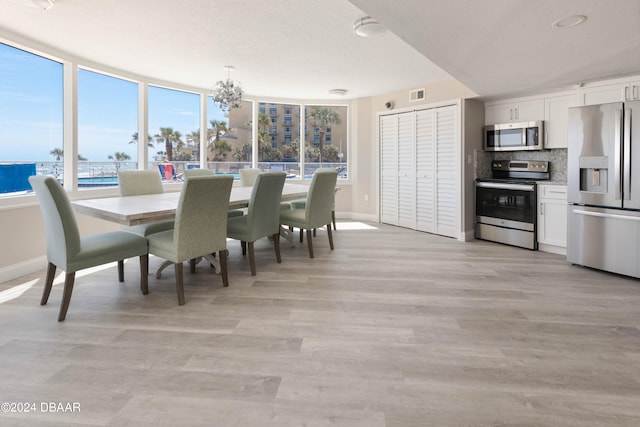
<point x="31" y="110"/>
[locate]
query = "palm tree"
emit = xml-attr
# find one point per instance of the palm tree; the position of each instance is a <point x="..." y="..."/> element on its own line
<point x="169" y="137"/>
<point x="134" y="140"/>
<point x="322" y="118"/>
<point x="265" y="150"/>
<point x="58" y="153"/>
<point x="119" y="157"/>
<point x="215" y="134"/>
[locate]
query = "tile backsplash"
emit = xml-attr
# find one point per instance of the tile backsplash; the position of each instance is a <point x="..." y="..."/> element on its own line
<point x="557" y="161"/>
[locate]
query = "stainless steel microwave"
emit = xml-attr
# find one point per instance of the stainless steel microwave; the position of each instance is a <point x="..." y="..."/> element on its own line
<point x="514" y="136"/>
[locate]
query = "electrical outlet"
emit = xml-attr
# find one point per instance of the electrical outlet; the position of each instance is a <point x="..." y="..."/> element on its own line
<point x="366" y="197"/>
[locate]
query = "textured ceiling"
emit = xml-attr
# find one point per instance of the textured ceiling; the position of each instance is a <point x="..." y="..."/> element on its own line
<point x="302" y="48"/>
<point x="506" y="47"/>
<point x="280" y="48"/>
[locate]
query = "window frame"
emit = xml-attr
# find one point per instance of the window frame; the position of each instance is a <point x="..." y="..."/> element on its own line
<point x="71" y="65"/>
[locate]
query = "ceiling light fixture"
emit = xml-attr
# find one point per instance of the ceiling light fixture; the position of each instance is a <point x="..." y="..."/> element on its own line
<point x="337" y="92"/>
<point x="40" y="4"/>
<point x="368" y="27"/>
<point x="227" y="94"/>
<point x="570" y="21"/>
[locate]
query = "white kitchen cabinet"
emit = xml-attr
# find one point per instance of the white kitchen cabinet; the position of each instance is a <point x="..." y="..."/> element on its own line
<point x="615" y="92"/>
<point x="514" y="111"/>
<point x="552" y="218"/>
<point x="555" y="115"/>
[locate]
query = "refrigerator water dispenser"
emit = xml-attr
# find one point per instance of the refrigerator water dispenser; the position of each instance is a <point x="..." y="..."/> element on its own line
<point x="594" y="173"/>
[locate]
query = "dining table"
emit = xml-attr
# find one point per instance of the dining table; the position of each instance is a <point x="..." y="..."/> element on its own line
<point x="144" y="209"/>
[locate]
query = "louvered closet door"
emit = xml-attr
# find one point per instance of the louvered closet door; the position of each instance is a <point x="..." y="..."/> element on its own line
<point x="389" y="169"/>
<point x="406" y="170"/>
<point x="425" y="170"/>
<point x="446" y="171"/>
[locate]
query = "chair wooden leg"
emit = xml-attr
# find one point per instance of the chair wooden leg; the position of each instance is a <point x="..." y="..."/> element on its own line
<point x="48" y="283"/>
<point x="330" y="234"/>
<point x="192" y="265"/>
<point x="66" y="295"/>
<point x="276" y="246"/>
<point x="144" y="274"/>
<point x="243" y="245"/>
<point x="301" y="234"/>
<point x="252" y="259"/>
<point x="179" y="283"/>
<point x="223" y="267"/>
<point x="314" y="232"/>
<point x="333" y="219"/>
<point x="309" y="244"/>
<point x="121" y="271"/>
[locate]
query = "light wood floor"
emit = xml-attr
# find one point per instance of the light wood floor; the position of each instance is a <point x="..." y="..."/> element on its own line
<point x="393" y="328"/>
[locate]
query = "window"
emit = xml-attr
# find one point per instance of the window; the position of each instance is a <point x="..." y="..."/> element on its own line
<point x="174" y="116"/>
<point x="329" y="141"/>
<point x="107" y="128"/>
<point x="280" y="150"/>
<point x="31" y="105"/>
<point x="31" y="116"/>
<point x="239" y="136"/>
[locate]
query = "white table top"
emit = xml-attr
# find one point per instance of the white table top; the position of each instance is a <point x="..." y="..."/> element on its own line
<point x="134" y="210"/>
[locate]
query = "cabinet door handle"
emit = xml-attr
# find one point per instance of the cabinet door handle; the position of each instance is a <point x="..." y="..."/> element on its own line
<point x="510" y="113"/>
<point x="626" y="93"/>
<point x="635" y="92"/>
<point x="541" y="208"/>
<point x="517" y="113"/>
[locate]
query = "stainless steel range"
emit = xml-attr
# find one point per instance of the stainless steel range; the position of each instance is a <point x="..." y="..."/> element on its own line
<point x="506" y="204"/>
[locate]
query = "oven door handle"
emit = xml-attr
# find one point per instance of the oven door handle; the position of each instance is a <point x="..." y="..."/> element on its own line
<point x="505" y="186"/>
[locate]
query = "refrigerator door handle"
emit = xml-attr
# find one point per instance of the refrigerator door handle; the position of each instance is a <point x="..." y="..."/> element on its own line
<point x="606" y="215"/>
<point x="626" y="156"/>
<point x="617" y="142"/>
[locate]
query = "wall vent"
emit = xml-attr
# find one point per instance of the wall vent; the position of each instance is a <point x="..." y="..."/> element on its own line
<point x="416" y="95"/>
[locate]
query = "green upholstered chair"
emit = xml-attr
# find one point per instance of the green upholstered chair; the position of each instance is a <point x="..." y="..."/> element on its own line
<point x="137" y="183"/>
<point x="190" y="173"/>
<point x="318" y="206"/>
<point x="263" y="216"/>
<point x="248" y="176"/>
<point x="300" y="204"/>
<point x="200" y="227"/>
<point x="70" y="252"/>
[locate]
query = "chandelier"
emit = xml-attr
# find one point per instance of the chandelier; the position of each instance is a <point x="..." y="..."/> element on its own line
<point x="227" y="94"/>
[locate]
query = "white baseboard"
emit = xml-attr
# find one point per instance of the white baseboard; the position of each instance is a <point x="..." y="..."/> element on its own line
<point x="553" y="249"/>
<point x="357" y="217"/>
<point x="14" y="271"/>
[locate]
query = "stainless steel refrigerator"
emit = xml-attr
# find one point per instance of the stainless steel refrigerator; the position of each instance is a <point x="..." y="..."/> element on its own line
<point x="603" y="181"/>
